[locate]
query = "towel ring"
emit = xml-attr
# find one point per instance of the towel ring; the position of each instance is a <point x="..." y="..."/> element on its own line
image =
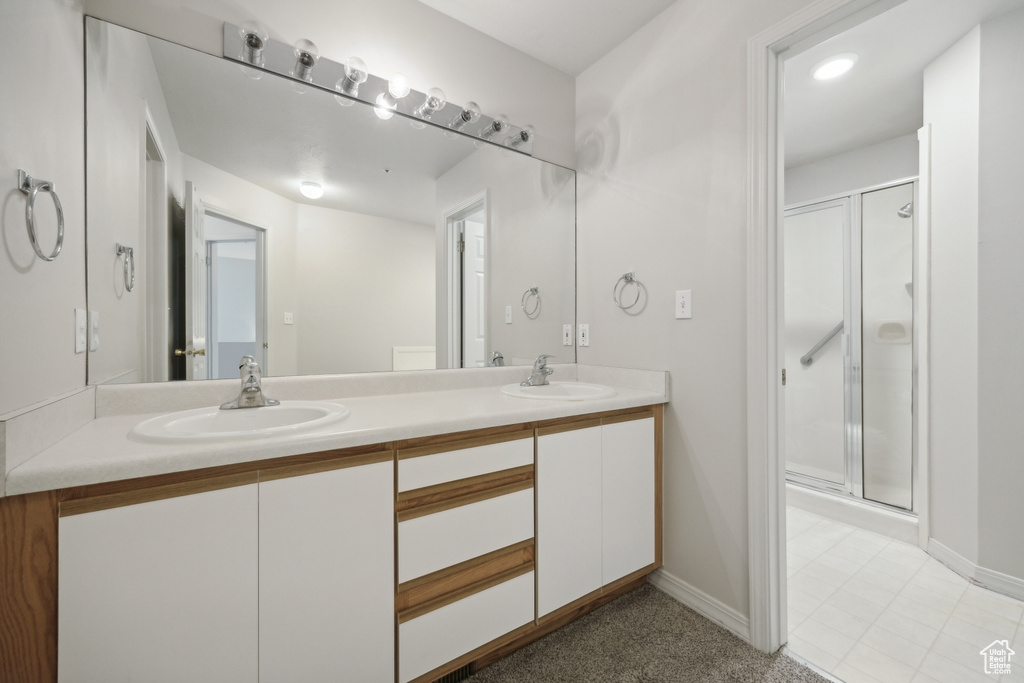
<point x="129" y="256"/>
<point x="527" y="295"/>
<point x="32" y="187"/>
<point x="626" y="280"/>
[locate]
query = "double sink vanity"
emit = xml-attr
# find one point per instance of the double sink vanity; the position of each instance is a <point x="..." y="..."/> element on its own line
<point x="378" y="527"/>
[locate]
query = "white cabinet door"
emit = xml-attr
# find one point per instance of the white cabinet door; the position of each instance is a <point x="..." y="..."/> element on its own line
<point x="327" y="576"/>
<point x="164" y="590"/>
<point x="568" y="517"/>
<point x="627" y="454"/>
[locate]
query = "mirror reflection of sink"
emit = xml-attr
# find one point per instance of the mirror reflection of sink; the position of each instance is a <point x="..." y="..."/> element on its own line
<point x="560" y="391"/>
<point x="213" y="425"/>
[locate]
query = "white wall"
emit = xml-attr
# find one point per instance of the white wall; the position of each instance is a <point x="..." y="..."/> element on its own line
<point x="123" y="86"/>
<point x="366" y="284"/>
<point x="854" y="170"/>
<point x="1000" y="297"/>
<point x="41" y="131"/>
<point x="951" y="87"/>
<point x="432" y="49"/>
<point x="662" y="162"/>
<point x="531" y="243"/>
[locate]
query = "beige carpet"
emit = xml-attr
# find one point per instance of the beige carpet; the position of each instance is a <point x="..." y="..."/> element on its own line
<point x="643" y="637"/>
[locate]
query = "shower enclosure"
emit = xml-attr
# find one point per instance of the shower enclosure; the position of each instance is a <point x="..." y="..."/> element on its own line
<point x="849" y="395"/>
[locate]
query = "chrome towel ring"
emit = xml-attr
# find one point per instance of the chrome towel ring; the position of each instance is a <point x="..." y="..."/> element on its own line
<point x="626" y="280"/>
<point x="129" y="257"/>
<point x="32" y="187"/>
<point x="529" y="294"/>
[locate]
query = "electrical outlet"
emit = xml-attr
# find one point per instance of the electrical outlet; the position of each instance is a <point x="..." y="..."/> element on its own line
<point x="508" y="315"/>
<point x="584" y="335"/>
<point x="94" y="330"/>
<point x="567" y="335"/>
<point x="81" y="330"/>
<point x="684" y="304"/>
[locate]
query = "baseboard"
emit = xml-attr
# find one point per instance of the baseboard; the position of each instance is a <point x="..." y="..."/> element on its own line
<point x="982" y="576"/>
<point x="901" y="526"/>
<point x="702" y="603"/>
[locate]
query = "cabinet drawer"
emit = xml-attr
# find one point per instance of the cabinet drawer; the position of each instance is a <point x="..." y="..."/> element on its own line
<point x="422" y="467"/>
<point x="432" y="542"/>
<point x="438" y="637"/>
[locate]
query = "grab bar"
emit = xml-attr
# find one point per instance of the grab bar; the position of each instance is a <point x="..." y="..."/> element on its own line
<point x="808" y="357"/>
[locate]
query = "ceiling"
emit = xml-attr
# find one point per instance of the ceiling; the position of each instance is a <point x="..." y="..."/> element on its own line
<point x="569" y="35"/>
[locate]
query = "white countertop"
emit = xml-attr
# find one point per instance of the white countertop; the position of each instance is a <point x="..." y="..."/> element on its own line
<point x="101" y="451"/>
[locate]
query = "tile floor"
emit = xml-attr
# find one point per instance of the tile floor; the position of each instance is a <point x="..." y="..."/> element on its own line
<point x="870" y="609"/>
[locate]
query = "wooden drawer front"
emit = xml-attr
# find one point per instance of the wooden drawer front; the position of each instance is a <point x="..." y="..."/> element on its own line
<point x="429" y="641"/>
<point x="427" y="544"/>
<point x="419" y="471"/>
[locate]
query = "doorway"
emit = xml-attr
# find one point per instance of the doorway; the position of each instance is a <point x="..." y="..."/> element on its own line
<point x="467" y="237"/>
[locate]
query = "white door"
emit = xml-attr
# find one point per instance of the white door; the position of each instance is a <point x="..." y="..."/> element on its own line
<point x="474" y="318"/>
<point x="195" y="284"/>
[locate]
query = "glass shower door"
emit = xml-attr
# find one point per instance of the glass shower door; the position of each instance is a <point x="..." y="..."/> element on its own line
<point x="817" y="323"/>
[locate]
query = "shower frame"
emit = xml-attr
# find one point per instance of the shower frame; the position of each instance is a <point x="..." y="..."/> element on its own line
<point x="853" y="487"/>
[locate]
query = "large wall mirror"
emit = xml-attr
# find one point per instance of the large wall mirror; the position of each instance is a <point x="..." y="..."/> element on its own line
<point x="426" y="249"/>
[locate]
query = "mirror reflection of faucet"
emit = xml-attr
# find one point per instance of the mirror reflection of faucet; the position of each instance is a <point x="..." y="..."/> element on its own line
<point x="497" y="360"/>
<point x="251" y="395"/>
<point x="539" y="376"/>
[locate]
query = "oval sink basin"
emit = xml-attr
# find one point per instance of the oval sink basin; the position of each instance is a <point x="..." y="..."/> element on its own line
<point x="560" y="391"/>
<point x="213" y="425"/>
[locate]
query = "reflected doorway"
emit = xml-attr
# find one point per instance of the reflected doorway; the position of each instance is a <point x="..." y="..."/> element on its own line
<point x="466" y="228"/>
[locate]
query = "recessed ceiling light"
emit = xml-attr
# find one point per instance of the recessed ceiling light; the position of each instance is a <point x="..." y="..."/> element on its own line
<point x="311" y="189"/>
<point x="834" y="66"/>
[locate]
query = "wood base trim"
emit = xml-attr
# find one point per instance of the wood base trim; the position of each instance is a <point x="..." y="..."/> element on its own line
<point x="28" y="587"/>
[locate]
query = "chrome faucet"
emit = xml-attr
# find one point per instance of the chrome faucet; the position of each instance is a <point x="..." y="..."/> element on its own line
<point x="251" y="395"/>
<point x="539" y="376"/>
<point x="497" y="360"/>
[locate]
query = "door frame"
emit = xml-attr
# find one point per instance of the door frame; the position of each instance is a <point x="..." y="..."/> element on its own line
<point x="452" y="347"/>
<point x="766" y="477"/>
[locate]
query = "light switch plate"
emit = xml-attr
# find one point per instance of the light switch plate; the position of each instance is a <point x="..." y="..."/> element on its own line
<point x="567" y="335"/>
<point x="81" y="330"/>
<point x="583" y="336"/>
<point x="94" y="330"/>
<point x="289" y="318"/>
<point x="684" y="304"/>
<point x="508" y="315"/>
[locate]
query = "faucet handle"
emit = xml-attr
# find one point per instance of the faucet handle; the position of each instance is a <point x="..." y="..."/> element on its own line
<point x="542" y="361"/>
<point x="246" y="360"/>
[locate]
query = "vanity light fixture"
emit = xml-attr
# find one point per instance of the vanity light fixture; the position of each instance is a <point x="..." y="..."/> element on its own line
<point x="834" y="66"/>
<point x="434" y="101"/>
<point x="382" y="108"/>
<point x="387" y="101"/>
<point x="306" y="56"/>
<point x="355" y="74"/>
<point x="254" y="39"/>
<point x="469" y="114"/>
<point x="498" y="125"/>
<point x="520" y="138"/>
<point x="311" y="190"/>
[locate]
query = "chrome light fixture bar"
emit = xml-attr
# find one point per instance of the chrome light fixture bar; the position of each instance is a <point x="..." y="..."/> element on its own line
<point x="288" y="61"/>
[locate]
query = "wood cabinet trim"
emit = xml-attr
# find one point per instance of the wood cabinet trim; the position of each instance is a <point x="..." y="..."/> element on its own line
<point x="437" y="493"/>
<point x="80" y="506"/>
<point x="464" y="592"/>
<point x="299" y="469"/>
<point x="461" y="444"/>
<point x="628" y="417"/>
<point x="487" y="494"/>
<point x="516" y="549"/>
<point x="569" y="426"/>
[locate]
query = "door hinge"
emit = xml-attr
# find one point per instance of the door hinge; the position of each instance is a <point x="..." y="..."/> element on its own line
<point x="462" y="246"/>
<point x="209" y="261"/>
<point x="783" y="376"/>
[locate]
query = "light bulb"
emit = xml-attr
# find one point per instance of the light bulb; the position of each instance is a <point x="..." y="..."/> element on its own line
<point x="521" y="138"/>
<point x="434" y="101"/>
<point x="254" y="39"/>
<point x="355" y="74"/>
<point x="384" y="109"/>
<point x="311" y="189"/>
<point x="469" y="114"/>
<point x="498" y="125"/>
<point x="398" y="87"/>
<point x="306" y="56"/>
